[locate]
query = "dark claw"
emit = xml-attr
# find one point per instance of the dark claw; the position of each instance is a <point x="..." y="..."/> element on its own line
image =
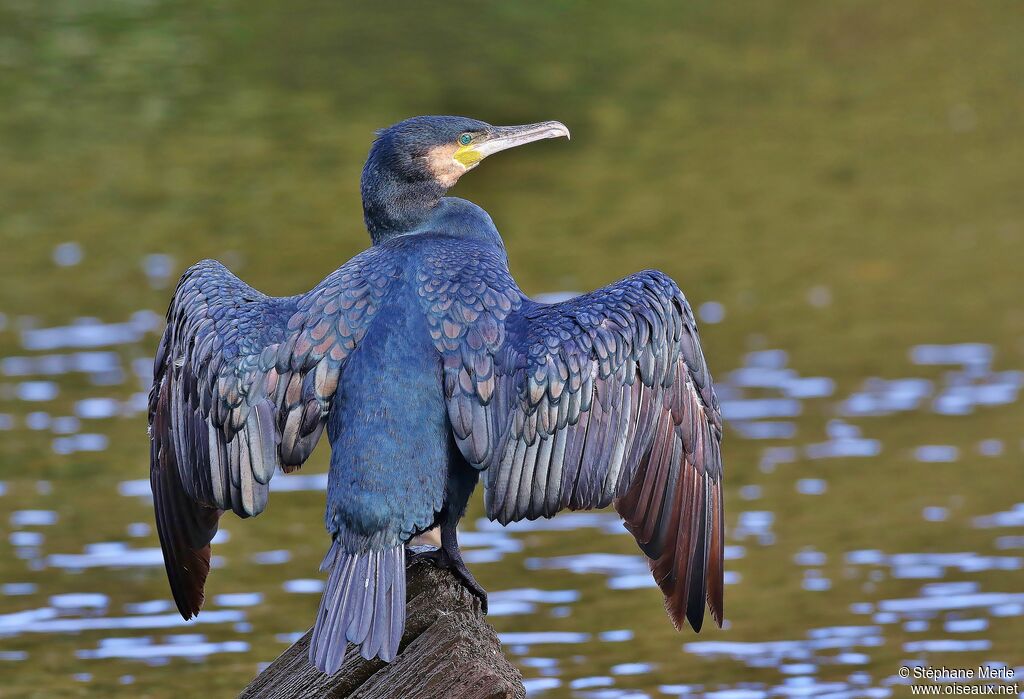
<point x="443" y="559"/>
<point x="471" y="584"/>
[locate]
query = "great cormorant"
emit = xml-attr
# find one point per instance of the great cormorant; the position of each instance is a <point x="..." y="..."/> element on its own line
<point x="428" y="366"/>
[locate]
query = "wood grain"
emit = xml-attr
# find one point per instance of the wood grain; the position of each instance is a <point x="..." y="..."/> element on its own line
<point x="448" y="651"/>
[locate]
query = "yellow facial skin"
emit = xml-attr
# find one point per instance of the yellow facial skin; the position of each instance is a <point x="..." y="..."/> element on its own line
<point x="468" y="156"/>
<point x="450" y="161"/>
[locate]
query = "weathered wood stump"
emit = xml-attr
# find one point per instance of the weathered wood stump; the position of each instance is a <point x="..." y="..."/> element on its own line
<point x="448" y="651"/>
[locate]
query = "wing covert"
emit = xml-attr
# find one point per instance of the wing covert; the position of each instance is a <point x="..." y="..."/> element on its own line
<point x="242" y="385"/>
<point x="604" y="398"/>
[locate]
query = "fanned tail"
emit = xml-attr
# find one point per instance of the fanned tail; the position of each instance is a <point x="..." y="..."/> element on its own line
<point x="363" y="603"/>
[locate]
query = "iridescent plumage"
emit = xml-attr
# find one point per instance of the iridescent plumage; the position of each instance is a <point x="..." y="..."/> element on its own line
<point x="429" y="366"/>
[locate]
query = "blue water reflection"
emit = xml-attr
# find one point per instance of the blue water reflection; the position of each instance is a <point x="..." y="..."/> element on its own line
<point x="807" y="432"/>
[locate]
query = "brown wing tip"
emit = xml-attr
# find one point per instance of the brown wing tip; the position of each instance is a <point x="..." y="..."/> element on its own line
<point x="679" y="617"/>
<point x="185" y="529"/>
<point x="681" y="594"/>
<point x="674" y="617"/>
<point x="717" y="616"/>
<point x="716" y="556"/>
<point x="188" y="580"/>
<point x="675" y="591"/>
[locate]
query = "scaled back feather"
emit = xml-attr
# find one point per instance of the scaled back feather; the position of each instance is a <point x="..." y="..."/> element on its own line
<point x="242" y="386"/>
<point x="601" y="399"/>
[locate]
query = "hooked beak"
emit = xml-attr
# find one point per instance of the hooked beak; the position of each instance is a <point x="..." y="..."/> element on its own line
<point x="499" y="138"/>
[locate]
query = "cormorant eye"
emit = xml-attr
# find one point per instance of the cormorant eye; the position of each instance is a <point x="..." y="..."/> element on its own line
<point x="465" y="139"/>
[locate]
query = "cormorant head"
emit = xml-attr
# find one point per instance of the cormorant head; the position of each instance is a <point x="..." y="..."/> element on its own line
<point x="443" y="148"/>
<point x="413" y="163"/>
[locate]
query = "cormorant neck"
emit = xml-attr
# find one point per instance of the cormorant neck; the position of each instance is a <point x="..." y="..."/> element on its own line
<point x="394" y="204"/>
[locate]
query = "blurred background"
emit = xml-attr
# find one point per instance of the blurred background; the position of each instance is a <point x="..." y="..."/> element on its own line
<point x="837" y="187"/>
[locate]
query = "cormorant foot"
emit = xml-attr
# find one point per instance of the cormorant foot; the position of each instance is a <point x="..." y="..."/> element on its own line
<point x="470" y="583"/>
<point x="442" y="559"/>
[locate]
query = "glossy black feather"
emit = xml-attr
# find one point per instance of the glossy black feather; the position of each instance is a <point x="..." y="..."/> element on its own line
<point x="426" y="364"/>
<point x="633" y="341"/>
<point x="215" y="415"/>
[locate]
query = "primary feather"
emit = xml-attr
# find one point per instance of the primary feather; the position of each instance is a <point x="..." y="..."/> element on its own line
<point x="427" y="365"/>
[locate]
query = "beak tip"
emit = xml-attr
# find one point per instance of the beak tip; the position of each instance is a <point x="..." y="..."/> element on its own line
<point x="505" y="137"/>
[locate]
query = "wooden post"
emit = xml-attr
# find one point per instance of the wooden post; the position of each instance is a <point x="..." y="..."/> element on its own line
<point x="448" y="651"/>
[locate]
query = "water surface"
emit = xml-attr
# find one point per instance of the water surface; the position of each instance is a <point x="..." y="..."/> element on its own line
<point x="835" y="186"/>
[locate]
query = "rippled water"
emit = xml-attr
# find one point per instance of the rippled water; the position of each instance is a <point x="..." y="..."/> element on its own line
<point x="575" y="605"/>
<point x="836" y="186"/>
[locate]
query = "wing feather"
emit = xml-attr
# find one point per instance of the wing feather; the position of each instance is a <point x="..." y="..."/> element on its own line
<point x="242" y="385"/>
<point x="604" y="398"/>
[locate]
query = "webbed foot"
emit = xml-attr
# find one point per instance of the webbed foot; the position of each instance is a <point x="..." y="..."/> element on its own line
<point x="449" y="558"/>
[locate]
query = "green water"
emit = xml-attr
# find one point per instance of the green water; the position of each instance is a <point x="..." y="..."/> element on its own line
<point x="843" y="178"/>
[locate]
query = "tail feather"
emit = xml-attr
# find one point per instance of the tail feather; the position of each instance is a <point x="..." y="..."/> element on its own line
<point x="397" y="625"/>
<point x="330" y="610"/>
<point x="363" y="603"/>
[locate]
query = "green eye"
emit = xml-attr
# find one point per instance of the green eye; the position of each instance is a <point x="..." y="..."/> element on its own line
<point x="465" y="139"/>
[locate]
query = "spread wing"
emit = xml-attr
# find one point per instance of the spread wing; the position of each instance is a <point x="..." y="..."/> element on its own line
<point x="605" y="398"/>
<point x="242" y="385"/>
